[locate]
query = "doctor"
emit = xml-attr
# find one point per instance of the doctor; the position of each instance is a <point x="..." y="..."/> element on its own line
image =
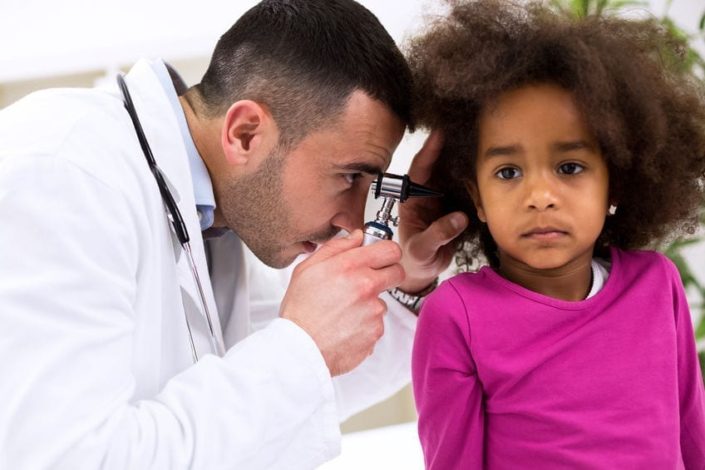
<point x="101" y="315"/>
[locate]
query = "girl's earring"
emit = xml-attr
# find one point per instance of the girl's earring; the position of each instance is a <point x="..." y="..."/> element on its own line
<point x="612" y="209"/>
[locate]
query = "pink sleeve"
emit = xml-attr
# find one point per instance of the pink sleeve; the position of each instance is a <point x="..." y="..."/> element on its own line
<point x="691" y="391"/>
<point x="447" y="391"/>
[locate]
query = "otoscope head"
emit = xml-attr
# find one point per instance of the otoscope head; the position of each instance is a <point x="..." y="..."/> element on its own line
<point x="400" y="187"/>
<point x="391" y="188"/>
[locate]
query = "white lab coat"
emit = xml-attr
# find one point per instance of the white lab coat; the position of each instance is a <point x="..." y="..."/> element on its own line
<point x="96" y="367"/>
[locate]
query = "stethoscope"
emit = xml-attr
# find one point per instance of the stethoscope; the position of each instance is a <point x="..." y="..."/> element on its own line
<point x="177" y="223"/>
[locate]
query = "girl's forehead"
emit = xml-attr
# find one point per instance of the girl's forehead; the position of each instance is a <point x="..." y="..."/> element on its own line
<point x="529" y="108"/>
<point x="530" y="97"/>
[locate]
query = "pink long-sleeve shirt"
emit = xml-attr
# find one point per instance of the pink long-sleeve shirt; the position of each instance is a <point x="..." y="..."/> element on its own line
<point x="507" y="378"/>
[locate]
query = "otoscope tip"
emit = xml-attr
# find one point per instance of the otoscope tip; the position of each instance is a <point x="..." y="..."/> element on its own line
<point x="400" y="187"/>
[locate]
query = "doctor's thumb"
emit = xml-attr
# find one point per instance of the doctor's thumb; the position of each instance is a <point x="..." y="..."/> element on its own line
<point x="335" y="246"/>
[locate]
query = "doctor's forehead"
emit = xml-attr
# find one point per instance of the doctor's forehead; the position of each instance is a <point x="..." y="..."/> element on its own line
<point x="370" y="132"/>
<point x="363" y="137"/>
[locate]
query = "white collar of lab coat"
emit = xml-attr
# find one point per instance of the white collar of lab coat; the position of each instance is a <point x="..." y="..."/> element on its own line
<point x="162" y="131"/>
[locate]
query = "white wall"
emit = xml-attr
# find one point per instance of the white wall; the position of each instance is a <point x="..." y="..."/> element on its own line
<point x="46" y="38"/>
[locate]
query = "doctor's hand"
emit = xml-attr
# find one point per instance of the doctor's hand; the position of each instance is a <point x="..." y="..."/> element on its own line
<point x="334" y="296"/>
<point x="426" y="236"/>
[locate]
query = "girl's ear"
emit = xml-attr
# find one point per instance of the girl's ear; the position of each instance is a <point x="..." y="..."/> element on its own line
<point x="475" y="195"/>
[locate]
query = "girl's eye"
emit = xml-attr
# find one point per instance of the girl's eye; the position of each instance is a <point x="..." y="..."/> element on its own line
<point x="508" y="173"/>
<point x="570" y="168"/>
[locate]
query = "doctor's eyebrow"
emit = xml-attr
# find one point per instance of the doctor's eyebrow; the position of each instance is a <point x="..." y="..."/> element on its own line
<point x="361" y="167"/>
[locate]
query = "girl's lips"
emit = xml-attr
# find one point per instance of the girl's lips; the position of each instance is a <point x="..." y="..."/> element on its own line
<point x="548" y="233"/>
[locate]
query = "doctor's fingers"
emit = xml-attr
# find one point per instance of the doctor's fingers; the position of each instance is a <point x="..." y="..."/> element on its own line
<point x="378" y="255"/>
<point x="376" y="327"/>
<point x="422" y="164"/>
<point x="370" y="282"/>
<point x="334" y="247"/>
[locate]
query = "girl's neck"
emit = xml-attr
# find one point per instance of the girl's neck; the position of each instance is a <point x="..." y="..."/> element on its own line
<point x="570" y="282"/>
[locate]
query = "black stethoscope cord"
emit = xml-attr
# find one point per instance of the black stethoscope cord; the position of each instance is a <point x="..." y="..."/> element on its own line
<point x="177" y="222"/>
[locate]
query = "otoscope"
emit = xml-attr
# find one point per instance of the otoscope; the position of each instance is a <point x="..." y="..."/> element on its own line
<point x="391" y="188"/>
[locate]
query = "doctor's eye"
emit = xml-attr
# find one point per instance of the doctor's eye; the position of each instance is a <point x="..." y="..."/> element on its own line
<point x="508" y="173"/>
<point x="351" y="177"/>
<point x="570" y="168"/>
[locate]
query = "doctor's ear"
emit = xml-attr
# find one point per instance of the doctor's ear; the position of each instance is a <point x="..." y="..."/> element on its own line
<point x="247" y="133"/>
<point x="471" y="187"/>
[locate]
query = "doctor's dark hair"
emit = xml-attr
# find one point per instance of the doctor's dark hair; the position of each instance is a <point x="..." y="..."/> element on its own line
<point x="627" y="79"/>
<point x="303" y="59"/>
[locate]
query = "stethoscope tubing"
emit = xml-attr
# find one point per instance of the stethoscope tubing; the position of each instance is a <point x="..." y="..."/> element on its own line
<point x="176" y="221"/>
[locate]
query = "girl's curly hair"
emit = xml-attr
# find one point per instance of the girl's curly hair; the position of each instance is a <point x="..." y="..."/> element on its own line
<point x="648" y="117"/>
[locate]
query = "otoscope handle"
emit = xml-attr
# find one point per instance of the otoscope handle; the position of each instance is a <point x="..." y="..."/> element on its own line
<point x="374" y="232"/>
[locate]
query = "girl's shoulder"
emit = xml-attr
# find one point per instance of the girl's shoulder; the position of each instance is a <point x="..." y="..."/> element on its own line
<point x="468" y="280"/>
<point x="466" y="285"/>
<point x="642" y="263"/>
<point x="450" y="304"/>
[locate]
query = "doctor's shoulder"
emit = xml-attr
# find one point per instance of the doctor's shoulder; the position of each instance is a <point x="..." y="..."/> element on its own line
<point x="83" y="127"/>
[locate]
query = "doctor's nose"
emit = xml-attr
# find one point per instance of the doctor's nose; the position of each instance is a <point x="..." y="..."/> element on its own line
<point x="351" y="217"/>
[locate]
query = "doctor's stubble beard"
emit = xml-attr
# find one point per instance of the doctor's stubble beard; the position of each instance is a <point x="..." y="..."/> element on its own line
<point x="256" y="209"/>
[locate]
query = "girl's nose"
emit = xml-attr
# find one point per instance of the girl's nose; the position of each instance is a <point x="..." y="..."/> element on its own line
<point x="541" y="193"/>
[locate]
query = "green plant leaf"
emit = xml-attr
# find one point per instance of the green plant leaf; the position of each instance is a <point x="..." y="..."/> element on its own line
<point x="616" y="5"/>
<point x="700" y="329"/>
<point x="683" y="242"/>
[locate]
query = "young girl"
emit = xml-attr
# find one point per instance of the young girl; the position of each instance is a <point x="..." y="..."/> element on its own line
<point x="570" y="144"/>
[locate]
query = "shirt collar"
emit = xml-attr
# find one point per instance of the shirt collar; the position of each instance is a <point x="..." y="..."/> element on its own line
<point x="202" y="186"/>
